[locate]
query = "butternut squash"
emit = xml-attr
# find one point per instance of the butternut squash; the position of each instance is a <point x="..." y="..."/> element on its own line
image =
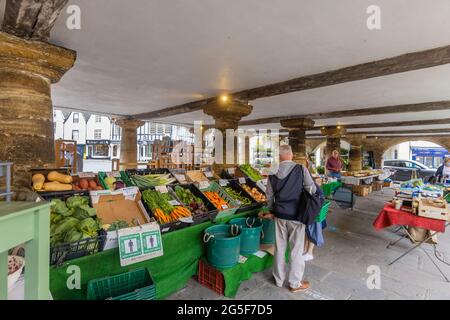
<point x="57" y="186"/>
<point x="59" y="177"/>
<point x="38" y="181"/>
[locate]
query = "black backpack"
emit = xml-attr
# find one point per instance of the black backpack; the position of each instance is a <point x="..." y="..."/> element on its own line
<point x="309" y="205"/>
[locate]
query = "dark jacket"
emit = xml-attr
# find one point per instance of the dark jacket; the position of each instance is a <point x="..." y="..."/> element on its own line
<point x="439" y="171"/>
<point x="286" y="193"/>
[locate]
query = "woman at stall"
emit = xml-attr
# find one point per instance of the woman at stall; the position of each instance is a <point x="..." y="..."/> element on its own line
<point x="444" y="170"/>
<point x="334" y="165"/>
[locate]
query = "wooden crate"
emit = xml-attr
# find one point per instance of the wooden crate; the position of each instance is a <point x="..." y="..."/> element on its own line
<point x="434" y="209"/>
<point x="362" y="190"/>
<point x="377" y="186"/>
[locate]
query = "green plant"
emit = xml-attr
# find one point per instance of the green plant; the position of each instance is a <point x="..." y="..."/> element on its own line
<point x="320" y="170"/>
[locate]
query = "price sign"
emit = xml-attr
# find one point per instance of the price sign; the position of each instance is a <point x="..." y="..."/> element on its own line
<point x="130" y="191"/>
<point x="208" y="174"/>
<point x="231" y="171"/>
<point x="224" y="206"/>
<point x="114" y="174"/>
<point x="86" y="174"/>
<point x="223" y="182"/>
<point x="161" y="189"/>
<point x="242" y="180"/>
<point x="180" y="177"/>
<point x="203" y="184"/>
<point x="174" y="202"/>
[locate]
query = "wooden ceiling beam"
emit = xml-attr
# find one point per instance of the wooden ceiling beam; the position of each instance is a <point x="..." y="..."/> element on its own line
<point x="31" y="19"/>
<point x="403" y="108"/>
<point x="402" y="63"/>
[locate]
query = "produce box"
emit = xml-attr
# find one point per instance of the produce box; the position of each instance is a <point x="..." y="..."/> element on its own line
<point x="226" y="205"/>
<point x="114" y="180"/>
<point x="232" y="173"/>
<point x="86" y="181"/>
<point x="387" y="184"/>
<point x="180" y="175"/>
<point x="74" y="228"/>
<point x="434" y="209"/>
<point x="248" y="171"/>
<point x="234" y="190"/>
<point x="51" y="180"/>
<point x="362" y="190"/>
<point x="132" y="285"/>
<point x="164" y="206"/>
<point x="202" y="209"/>
<point x="253" y="189"/>
<point x="377" y="185"/>
<point x="148" y="178"/>
<point x="209" y="173"/>
<point x="198" y="175"/>
<point x="120" y="205"/>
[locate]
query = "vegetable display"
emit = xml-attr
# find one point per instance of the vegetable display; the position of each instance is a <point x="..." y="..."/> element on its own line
<point x="152" y="180"/>
<point x="251" y="172"/>
<point x="54" y="181"/>
<point x="254" y="192"/>
<point x="194" y="203"/>
<point x="72" y="220"/>
<point x="86" y="184"/>
<point x="163" y="211"/>
<point x="216" y="200"/>
<point x="237" y="196"/>
<point x="112" y="183"/>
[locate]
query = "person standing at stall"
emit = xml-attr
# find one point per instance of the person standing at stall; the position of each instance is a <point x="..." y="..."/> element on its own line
<point x="283" y="195"/>
<point x="334" y="165"/>
<point x="444" y="170"/>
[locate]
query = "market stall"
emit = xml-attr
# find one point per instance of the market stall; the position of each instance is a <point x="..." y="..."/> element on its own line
<point x="421" y="212"/>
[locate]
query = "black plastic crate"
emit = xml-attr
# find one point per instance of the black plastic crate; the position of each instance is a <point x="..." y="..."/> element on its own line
<point x="77" y="249"/>
<point x="63" y="195"/>
<point x="237" y="174"/>
<point x="252" y="184"/>
<point x="212" y="210"/>
<point x="142" y="172"/>
<point x="234" y="184"/>
<point x="167" y="227"/>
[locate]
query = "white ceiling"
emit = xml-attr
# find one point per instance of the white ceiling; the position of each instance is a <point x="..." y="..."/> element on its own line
<point x="145" y="55"/>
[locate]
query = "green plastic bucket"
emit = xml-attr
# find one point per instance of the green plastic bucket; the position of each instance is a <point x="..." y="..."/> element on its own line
<point x="222" y="245"/>
<point x="251" y="229"/>
<point x="268" y="231"/>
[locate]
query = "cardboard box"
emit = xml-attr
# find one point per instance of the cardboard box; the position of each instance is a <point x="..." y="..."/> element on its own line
<point x="377" y="186"/>
<point x="387" y="184"/>
<point x="434" y="209"/>
<point x="123" y="204"/>
<point x="362" y="190"/>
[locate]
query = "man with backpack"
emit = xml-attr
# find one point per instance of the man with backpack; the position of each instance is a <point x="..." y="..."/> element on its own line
<point x="294" y="200"/>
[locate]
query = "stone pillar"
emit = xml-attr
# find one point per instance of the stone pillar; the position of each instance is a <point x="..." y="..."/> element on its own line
<point x="297" y="137"/>
<point x="227" y="113"/>
<point x="27" y="70"/>
<point x="247" y="149"/>
<point x="355" y="155"/>
<point x="333" y="135"/>
<point x="128" y="142"/>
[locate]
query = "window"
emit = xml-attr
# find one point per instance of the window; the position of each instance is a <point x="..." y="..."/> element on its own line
<point x="98" y="119"/>
<point x="97" y="133"/>
<point x="75" y="134"/>
<point x="76" y="117"/>
<point x="114" y="150"/>
<point x="412" y="165"/>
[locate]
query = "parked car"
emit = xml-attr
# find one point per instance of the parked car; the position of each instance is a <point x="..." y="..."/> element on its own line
<point x="403" y="169"/>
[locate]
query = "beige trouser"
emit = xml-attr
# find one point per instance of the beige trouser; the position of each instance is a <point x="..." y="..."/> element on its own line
<point x="292" y="232"/>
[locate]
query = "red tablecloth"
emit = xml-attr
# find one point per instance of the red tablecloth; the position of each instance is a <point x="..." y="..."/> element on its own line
<point x="389" y="216"/>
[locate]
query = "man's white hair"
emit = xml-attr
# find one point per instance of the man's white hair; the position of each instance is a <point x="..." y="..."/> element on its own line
<point x="285" y="150"/>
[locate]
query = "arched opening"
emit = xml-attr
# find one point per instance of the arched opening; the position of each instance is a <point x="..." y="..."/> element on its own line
<point x="426" y="152"/>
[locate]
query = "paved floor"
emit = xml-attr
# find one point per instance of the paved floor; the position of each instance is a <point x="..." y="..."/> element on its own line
<point x="339" y="269"/>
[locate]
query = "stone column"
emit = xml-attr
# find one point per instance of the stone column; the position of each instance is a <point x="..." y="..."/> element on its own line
<point x="333" y="135"/>
<point x="297" y="137"/>
<point x="227" y="113"/>
<point x="128" y="142"/>
<point x="355" y="155"/>
<point x="27" y="70"/>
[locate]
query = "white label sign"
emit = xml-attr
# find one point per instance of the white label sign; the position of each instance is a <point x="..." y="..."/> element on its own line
<point x="86" y="175"/>
<point x="223" y="182"/>
<point x="114" y="174"/>
<point x="242" y="180"/>
<point x="203" y="184"/>
<point x="208" y="174"/>
<point x="180" y="177"/>
<point x="161" y="189"/>
<point x="242" y="259"/>
<point x="174" y="202"/>
<point x="231" y="171"/>
<point x="224" y="206"/>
